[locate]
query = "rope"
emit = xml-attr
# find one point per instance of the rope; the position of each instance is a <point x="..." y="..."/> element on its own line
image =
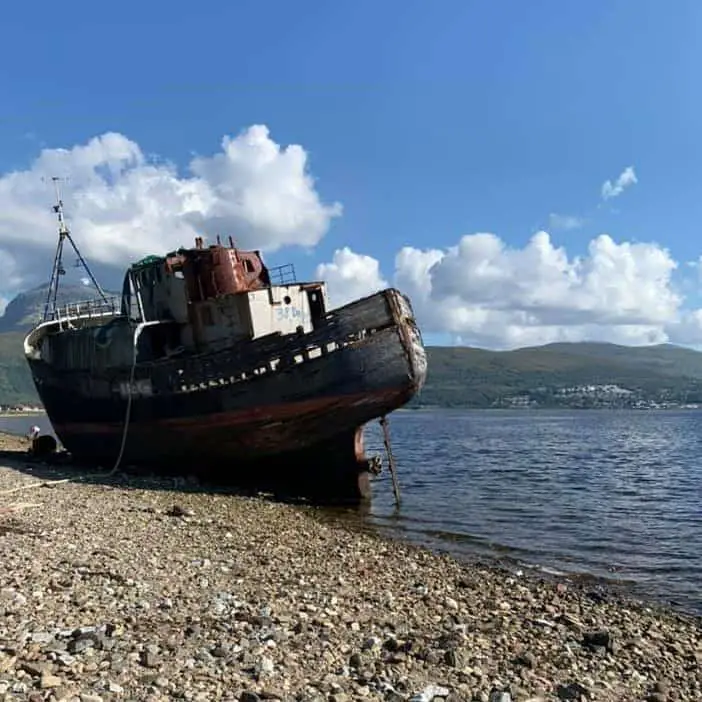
<point x="128" y="414"/>
<point x="391" y="460"/>
<point x="125" y="429"/>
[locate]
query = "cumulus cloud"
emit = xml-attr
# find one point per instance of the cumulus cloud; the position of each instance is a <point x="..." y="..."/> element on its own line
<point x="122" y="204"/>
<point x="349" y="276"/>
<point x="486" y="293"/>
<point x="626" y="179"/>
<point x="557" y="221"/>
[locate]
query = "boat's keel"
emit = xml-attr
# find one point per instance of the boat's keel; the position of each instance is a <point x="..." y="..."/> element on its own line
<point x="332" y="471"/>
<point x="335" y="471"/>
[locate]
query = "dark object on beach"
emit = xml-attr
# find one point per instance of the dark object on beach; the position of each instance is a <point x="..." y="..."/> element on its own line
<point x="43" y="445"/>
<point x="211" y="363"/>
<point x="599" y="640"/>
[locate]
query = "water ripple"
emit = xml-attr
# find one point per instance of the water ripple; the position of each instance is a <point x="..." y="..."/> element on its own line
<point x="589" y="492"/>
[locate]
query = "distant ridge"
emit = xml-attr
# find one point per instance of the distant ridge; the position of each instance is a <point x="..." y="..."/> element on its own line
<point x="474" y="377"/>
<point x="27" y="308"/>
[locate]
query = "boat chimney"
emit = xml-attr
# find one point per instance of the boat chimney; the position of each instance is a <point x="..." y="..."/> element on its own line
<point x="198" y="242"/>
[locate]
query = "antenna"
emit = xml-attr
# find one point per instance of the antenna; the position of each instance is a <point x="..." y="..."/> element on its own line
<point x="58" y="270"/>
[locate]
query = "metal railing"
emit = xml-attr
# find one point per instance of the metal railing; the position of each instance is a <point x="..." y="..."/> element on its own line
<point x="283" y="275"/>
<point x="86" y="309"/>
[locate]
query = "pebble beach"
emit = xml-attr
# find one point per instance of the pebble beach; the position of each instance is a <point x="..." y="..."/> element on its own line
<point x="144" y="588"/>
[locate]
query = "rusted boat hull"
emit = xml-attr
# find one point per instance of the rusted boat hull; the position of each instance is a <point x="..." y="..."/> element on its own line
<point x="295" y="428"/>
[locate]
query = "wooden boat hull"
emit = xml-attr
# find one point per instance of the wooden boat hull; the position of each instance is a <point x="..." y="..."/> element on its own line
<point x="296" y="428"/>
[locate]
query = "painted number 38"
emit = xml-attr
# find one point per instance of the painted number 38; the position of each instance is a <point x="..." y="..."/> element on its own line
<point x="288" y="312"/>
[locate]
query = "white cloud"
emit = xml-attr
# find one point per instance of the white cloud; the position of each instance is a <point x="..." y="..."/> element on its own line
<point x="486" y="293"/>
<point x="567" y="222"/>
<point x="349" y="276"/>
<point x="626" y="179"/>
<point x="122" y="204"/>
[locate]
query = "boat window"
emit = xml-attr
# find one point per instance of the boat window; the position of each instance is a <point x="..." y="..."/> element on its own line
<point x="248" y="266"/>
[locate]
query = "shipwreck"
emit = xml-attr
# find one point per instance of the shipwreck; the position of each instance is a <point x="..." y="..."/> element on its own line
<point x="209" y="362"/>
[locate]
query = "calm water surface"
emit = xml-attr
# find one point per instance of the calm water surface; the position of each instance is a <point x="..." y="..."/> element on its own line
<point x="608" y="493"/>
<point x="611" y="494"/>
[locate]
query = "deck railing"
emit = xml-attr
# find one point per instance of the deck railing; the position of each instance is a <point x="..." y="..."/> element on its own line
<point x="87" y="309"/>
<point x="283" y="275"/>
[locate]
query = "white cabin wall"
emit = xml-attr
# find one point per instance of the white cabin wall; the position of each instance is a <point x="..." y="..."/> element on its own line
<point x="270" y="312"/>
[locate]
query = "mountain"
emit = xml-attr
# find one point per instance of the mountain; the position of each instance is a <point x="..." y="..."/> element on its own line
<point x="472" y="377"/>
<point x="16" y="385"/>
<point x="562" y="374"/>
<point x="27" y="308"/>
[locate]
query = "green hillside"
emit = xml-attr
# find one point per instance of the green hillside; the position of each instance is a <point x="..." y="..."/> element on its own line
<point x="16" y="385"/>
<point x="471" y="377"/>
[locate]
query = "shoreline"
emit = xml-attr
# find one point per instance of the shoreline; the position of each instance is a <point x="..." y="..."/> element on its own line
<point x="626" y="590"/>
<point x="157" y="589"/>
<point x="10" y="415"/>
<point x="510" y="566"/>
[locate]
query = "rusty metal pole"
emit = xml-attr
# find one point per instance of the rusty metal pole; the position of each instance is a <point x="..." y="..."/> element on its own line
<point x="391" y="460"/>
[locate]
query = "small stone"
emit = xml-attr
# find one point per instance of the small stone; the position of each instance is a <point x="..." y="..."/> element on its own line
<point x="454" y="658"/>
<point x="573" y="691"/>
<point x="34" y="668"/>
<point x="149" y="659"/>
<point x="526" y="659"/>
<point x="65" y="694"/>
<point x="657" y="697"/>
<point x="265" y="666"/>
<point x="179" y="511"/>
<point x="599" y="639"/>
<point x="48" y="681"/>
<point x="42" y="637"/>
<point x="82" y="642"/>
<point x="65" y="659"/>
<point x="88" y="697"/>
<point x="249" y="696"/>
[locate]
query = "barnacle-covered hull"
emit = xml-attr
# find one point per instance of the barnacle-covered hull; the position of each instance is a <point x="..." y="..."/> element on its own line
<point x="282" y="412"/>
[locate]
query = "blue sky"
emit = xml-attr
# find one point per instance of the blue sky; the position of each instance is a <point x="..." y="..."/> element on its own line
<point x="427" y="121"/>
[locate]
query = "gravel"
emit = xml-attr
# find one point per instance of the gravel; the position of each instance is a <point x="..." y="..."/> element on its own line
<point x="130" y="589"/>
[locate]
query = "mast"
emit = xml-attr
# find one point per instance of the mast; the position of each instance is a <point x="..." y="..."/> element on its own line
<point x="58" y="270"/>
